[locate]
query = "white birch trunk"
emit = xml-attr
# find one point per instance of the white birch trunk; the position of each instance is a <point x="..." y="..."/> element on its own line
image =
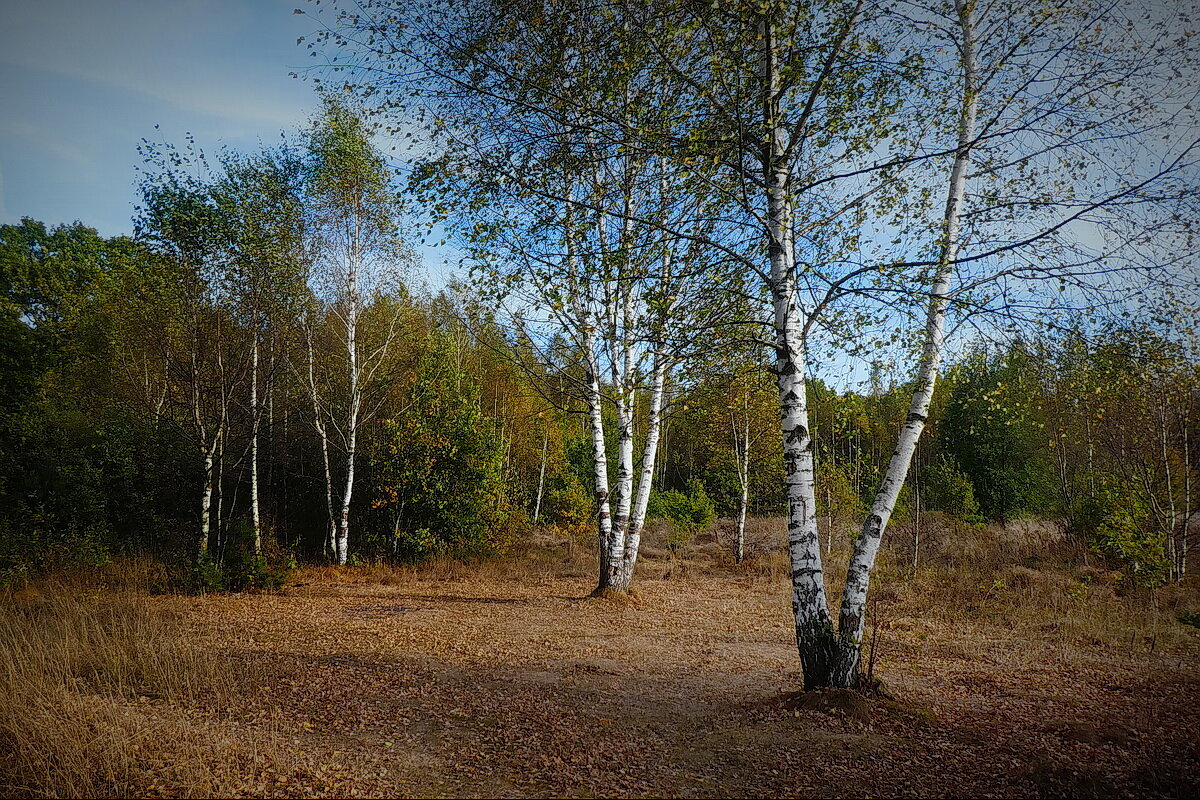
<point x="323" y="435"/>
<point x="637" y="518"/>
<point x="743" y="473"/>
<point x="537" y="506"/>
<point x="1187" y="497"/>
<point x="352" y="413"/>
<point x="206" y="497"/>
<point x="814" y="630"/>
<point x="854" y="599"/>
<point x="1172" y="514"/>
<point x="604" y="527"/>
<point x="254" y="417"/>
<point x="623" y="489"/>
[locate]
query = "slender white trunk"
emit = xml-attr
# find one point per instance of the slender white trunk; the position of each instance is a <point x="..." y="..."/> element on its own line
<point x="604" y="527"/>
<point x="1187" y="497"/>
<point x="323" y="435"/>
<point x="743" y="473"/>
<point x="637" y="518"/>
<point x="623" y="489"/>
<point x="854" y="598"/>
<point x="537" y="506"/>
<point x="1171" y="514"/>
<point x="814" y="629"/>
<point x="206" y="497"/>
<point x="254" y="415"/>
<point x="352" y="413"/>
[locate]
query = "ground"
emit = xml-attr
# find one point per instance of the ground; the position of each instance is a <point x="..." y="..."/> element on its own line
<point x="485" y="687"/>
<point x="506" y="680"/>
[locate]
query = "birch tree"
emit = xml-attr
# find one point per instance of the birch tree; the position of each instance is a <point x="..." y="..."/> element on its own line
<point x="824" y="130"/>
<point x="206" y="366"/>
<point x="353" y="212"/>
<point x="262" y="198"/>
<point x="550" y="201"/>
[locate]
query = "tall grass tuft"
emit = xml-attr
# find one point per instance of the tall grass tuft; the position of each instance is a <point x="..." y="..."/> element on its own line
<point x="94" y="690"/>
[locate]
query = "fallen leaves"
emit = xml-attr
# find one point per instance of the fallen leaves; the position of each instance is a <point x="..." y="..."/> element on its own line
<point x="496" y="688"/>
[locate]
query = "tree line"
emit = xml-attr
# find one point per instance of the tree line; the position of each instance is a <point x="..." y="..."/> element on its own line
<point x="465" y="450"/>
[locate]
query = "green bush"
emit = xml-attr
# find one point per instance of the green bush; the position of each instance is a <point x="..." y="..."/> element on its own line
<point x="207" y="576"/>
<point x="1117" y="521"/>
<point x="945" y="487"/>
<point x="685" y="513"/>
<point x="439" y="469"/>
<point x="238" y="568"/>
<point x="993" y="431"/>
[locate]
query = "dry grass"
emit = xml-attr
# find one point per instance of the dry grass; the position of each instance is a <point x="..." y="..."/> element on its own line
<point x="101" y="695"/>
<point x="1005" y="645"/>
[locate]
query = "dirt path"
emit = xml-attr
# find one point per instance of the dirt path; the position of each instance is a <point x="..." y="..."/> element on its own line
<point x="488" y="688"/>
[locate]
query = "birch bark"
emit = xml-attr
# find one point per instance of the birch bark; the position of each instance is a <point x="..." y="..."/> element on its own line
<point x="637" y="518"/>
<point x="341" y="551"/>
<point x="537" y="506"/>
<point x="594" y="399"/>
<point x="852" y="617"/>
<point x="255" y="516"/>
<point x="206" y="497"/>
<point x="742" y="453"/>
<point x="814" y="629"/>
<point x="322" y="434"/>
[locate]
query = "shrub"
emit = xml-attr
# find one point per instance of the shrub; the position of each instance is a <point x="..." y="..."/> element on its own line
<point x="945" y="487"/>
<point x="1117" y="520"/>
<point x="238" y="567"/>
<point x="686" y="513"/>
<point x="439" y="470"/>
<point x="992" y="429"/>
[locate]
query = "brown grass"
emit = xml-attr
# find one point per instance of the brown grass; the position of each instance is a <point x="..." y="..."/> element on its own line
<point x="1004" y="645"/>
<point x="98" y="696"/>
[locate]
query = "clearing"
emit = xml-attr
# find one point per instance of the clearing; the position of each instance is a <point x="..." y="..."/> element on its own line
<point x="503" y="681"/>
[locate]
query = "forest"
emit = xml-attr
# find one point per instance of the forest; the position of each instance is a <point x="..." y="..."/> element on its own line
<point x="812" y="411"/>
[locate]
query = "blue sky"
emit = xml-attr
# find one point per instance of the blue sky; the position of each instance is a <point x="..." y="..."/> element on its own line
<point x="82" y="82"/>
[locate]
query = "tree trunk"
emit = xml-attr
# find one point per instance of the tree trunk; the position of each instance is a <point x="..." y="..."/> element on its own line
<point x="254" y="415"/>
<point x="352" y="413"/>
<point x="637" y="519"/>
<point x="537" y="506"/>
<point x="616" y="580"/>
<point x="206" y="497"/>
<point x="815" y="638"/>
<point x="744" y="486"/>
<point x="852" y="620"/>
<point x="604" y="527"/>
<point x="330" y="543"/>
